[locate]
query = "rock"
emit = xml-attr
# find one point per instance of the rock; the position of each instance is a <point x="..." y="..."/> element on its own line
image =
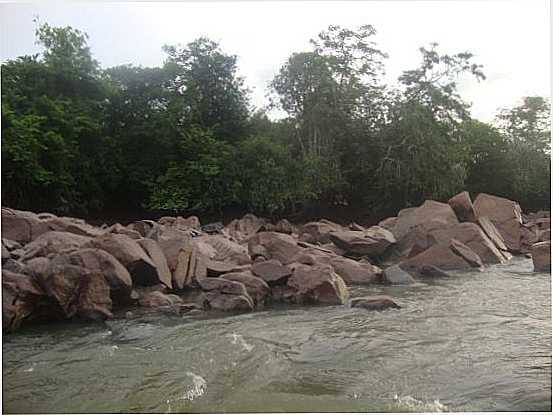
<point x="20" y="295"/>
<point x="318" y="232"/>
<point x="272" y="272"/>
<point x="374" y="302"/>
<point x="217" y="268"/>
<point x="372" y="242"/>
<point x="491" y="231"/>
<point x="143" y="227"/>
<point x="396" y="276"/>
<point x="388" y="223"/>
<point x="5" y="254"/>
<point x="505" y="215"/>
<point x="541" y="256"/>
<point x="356" y="227"/>
<point x="273" y="245"/>
<point x="222" y="285"/>
<point x="431" y="271"/>
<point x="284" y="226"/>
<point x="246" y="227"/>
<point x="78" y="291"/>
<point x="53" y="242"/>
<point x="11" y="245"/>
<point x="472" y="236"/>
<point x="157" y="299"/>
<point x="123" y="230"/>
<point x="430" y="214"/>
<point x="172" y="247"/>
<point x="228" y="302"/>
<point x="227" y="250"/>
<point x="463" y="208"/>
<point x="353" y="272"/>
<point x="213" y="228"/>
<point x="21" y="226"/>
<point x="72" y="225"/>
<point x="452" y="255"/>
<point x="127" y="251"/>
<point x="317" y="285"/>
<point x="256" y="288"/>
<point x="191" y="222"/>
<point x="98" y="261"/>
<point x="190" y="268"/>
<point x="14" y="266"/>
<point x="158" y="258"/>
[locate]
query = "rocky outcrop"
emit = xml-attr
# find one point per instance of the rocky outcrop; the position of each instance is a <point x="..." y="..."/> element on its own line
<point x="244" y="228"/>
<point x="272" y="272"/>
<point x="374" y="302"/>
<point x="394" y="275"/>
<point x="372" y="242"/>
<point x="431" y="215"/>
<point x="354" y="272"/>
<point x="541" y="256"/>
<point x="472" y="236"/>
<point x="256" y="288"/>
<point x="317" y="285"/>
<point x="463" y="208"/>
<point x="452" y="255"/>
<point x="273" y="245"/>
<point x="226" y="295"/>
<point x="53" y="242"/>
<point x="157" y="256"/>
<point x="20" y="295"/>
<point x="318" y="232"/>
<point x="505" y="215"/>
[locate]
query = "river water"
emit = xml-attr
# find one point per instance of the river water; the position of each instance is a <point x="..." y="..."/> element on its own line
<point x="478" y="341"/>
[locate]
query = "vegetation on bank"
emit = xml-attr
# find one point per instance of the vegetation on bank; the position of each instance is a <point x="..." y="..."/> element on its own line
<point x="79" y="139"/>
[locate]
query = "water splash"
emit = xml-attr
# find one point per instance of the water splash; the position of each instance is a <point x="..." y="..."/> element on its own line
<point x="199" y="386"/>
<point x="238" y="339"/>
<point x="412" y="404"/>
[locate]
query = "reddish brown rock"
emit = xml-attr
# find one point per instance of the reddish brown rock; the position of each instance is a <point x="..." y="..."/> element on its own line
<point x="190" y="268"/>
<point x="374" y="302"/>
<point x="256" y="288"/>
<point x="246" y="227"/>
<point x="431" y="215"/>
<point x="229" y="302"/>
<point x="505" y="215"/>
<point x="227" y="250"/>
<point x="127" y="251"/>
<point x="447" y="256"/>
<point x="272" y="272"/>
<point x="463" y="208"/>
<point x="395" y="275"/>
<point x="20" y="295"/>
<point x="318" y="232"/>
<point x="372" y="242"/>
<point x="53" y="242"/>
<point x="541" y="256"/>
<point x="123" y="230"/>
<point x="273" y="245"/>
<point x="317" y="285"/>
<point x="157" y="256"/>
<point x="353" y="272"/>
<point x="472" y="236"/>
<point x="21" y="226"/>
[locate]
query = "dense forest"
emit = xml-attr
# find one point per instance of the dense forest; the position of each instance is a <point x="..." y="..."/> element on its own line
<point x="83" y="140"/>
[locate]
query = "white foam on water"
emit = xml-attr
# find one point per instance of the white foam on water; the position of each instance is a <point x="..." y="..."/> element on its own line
<point x="413" y="404"/>
<point x="199" y="386"/>
<point x="238" y="339"/>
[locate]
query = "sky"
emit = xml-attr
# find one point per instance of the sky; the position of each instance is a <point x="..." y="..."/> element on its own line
<point x="510" y="38"/>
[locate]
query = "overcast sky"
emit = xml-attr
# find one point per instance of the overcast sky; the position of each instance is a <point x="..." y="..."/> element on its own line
<point x="511" y="39"/>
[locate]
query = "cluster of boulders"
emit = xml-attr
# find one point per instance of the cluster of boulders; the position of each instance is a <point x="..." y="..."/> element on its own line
<point x="56" y="268"/>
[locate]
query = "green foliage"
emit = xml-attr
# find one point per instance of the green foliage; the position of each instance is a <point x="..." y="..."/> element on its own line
<point x="80" y="139"/>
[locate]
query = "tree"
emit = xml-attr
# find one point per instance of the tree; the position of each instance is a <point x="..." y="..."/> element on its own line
<point x="213" y="95"/>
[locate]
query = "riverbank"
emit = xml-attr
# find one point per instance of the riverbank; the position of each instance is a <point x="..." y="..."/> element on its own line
<point x="57" y="268"/>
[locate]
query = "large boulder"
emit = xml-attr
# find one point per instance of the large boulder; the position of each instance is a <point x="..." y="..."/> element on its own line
<point x="53" y="242"/>
<point x="244" y="228"/>
<point x="256" y="288"/>
<point x="452" y="255"/>
<point x="72" y="225"/>
<point x="157" y="256"/>
<point x="190" y="267"/>
<point x="98" y="261"/>
<point x="318" y="232"/>
<point x="354" y="272"/>
<point x="431" y="214"/>
<point x="227" y="250"/>
<point x="21" y="226"/>
<point x="123" y="230"/>
<point x="463" y="208"/>
<point x="20" y="295"/>
<point x="372" y="242"/>
<point x="394" y="275"/>
<point x="272" y="272"/>
<point x="471" y="235"/>
<point x="374" y="302"/>
<point x="505" y="215"/>
<point x="541" y="256"/>
<point x="127" y="251"/>
<point x="317" y="285"/>
<point x="226" y="295"/>
<point x="78" y="291"/>
<point x="273" y="245"/>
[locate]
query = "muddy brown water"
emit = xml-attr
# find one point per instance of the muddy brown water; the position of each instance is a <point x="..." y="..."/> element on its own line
<point x="478" y="341"/>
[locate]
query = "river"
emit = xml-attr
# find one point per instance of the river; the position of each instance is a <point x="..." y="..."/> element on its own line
<point x="478" y="341"/>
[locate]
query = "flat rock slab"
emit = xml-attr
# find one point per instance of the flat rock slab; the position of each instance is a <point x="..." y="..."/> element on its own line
<point x="374" y="302"/>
